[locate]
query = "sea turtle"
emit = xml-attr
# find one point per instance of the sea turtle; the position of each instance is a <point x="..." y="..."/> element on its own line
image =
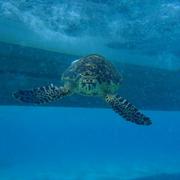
<point x="91" y="75"/>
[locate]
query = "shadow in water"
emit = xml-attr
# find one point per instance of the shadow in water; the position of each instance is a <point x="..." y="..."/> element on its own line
<point x="163" y="176"/>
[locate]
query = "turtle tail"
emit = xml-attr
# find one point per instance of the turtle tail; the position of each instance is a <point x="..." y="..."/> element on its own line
<point x="128" y="111"/>
<point x="41" y="95"/>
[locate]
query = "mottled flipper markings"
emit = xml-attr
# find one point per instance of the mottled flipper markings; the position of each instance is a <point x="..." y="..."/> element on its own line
<point x="41" y="95"/>
<point x="127" y="110"/>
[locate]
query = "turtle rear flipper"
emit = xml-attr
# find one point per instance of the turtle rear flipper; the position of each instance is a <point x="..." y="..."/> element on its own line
<point x="127" y="110"/>
<point x="41" y="95"/>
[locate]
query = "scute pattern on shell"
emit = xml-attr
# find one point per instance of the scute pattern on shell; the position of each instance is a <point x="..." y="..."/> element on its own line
<point x="94" y="66"/>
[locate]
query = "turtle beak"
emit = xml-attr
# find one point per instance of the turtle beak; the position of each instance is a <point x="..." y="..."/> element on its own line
<point x="88" y="85"/>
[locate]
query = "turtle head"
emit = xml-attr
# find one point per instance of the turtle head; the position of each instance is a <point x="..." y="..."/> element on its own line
<point x="88" y="85"/>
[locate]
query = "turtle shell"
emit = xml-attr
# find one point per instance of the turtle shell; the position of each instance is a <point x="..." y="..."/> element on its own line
<point x="93" y="66"/>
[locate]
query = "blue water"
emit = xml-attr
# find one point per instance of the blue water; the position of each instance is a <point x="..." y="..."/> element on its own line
<point x="48" y="143"/>
<point x="75" y="143"/>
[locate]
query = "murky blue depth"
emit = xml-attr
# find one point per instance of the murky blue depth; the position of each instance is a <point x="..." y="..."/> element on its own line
<point x="121" y="30"/>
<point x="57" y="143"/>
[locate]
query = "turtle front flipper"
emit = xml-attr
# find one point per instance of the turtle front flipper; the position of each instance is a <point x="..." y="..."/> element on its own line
<point x="41" y="95"/>
<point x="127" y="110"/>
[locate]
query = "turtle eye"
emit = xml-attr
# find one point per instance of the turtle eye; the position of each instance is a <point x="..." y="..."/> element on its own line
<point x="93" y="81"/>
<point x="87" y="73"/>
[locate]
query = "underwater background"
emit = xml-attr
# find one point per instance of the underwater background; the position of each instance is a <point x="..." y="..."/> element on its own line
<point x="81" y="138"/>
